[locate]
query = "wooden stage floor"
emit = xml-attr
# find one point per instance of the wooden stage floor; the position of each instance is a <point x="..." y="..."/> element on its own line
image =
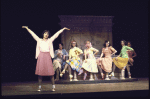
<point x="135" y="88"/>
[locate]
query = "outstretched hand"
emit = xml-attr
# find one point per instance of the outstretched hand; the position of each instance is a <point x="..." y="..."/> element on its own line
<point x="24" y="26"/>
<point x="66" y="28"/>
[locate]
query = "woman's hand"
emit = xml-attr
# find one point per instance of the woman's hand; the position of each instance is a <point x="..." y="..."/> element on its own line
<point x="116" y="58"/>
<point x="25" y="27"/>
<point x="66" y="28"/>
<point x="70" y="60"/>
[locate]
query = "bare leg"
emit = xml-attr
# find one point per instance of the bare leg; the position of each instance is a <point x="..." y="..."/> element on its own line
<point x="57" y="74"/>
<point x="102" y="74"/>
<point x="75" y="75"/>
<point x="113" y="69"/>
<point x="69" y="68"/>
<point x="39" y="81"/>
<point x="128" y="69"/>
<point x="66" y="65"/>
<point x="85" y="74"/>
<point x="53" y="83"/>
<point x="61" y="73"/>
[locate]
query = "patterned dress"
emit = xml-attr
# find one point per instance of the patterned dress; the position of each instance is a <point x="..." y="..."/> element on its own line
<point x="75" y="59"/>
<point x="90" y="65"/>
<point x="123" y="60"/>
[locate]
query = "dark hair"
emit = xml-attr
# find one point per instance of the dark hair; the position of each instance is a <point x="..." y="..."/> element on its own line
<point x="129" y="42"/>
<point x="46" y="31"/>
<point x="73" y="41"/>
<point x="125" y="43"/>
<point x="62" y="44"/>
<point x="106" y="42"/>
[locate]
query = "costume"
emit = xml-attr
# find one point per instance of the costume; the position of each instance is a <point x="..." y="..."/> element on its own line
<point x="123" y="60"/>
<point x="90" y="64"/>
<point x="106" y="62"/>
<point x="75" y="59"/>
<point x="58" y="61"/>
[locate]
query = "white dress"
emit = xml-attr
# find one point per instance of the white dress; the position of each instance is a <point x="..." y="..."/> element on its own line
<point x="90" y="65"/>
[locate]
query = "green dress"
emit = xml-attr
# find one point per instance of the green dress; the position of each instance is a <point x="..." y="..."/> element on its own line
<point x="123" y="60"/>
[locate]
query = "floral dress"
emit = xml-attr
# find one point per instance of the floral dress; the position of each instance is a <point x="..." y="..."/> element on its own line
<point x="75" y="59"/>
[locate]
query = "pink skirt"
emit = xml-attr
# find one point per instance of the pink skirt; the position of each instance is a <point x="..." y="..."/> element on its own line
<point x="44" y="66"/>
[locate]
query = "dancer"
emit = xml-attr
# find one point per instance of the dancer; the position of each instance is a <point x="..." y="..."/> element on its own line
<point x="74" y="61"/>
<point x="89" y="64"/>
<point x="130" y="62"/>
<point x="44" y="53"/>
<point x="59" y="60"/>
<point x="122" y="59"/>
<point x="106" y="62"/>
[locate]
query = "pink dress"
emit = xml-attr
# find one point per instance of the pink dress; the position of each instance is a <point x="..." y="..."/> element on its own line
<point x="106" y="62"/>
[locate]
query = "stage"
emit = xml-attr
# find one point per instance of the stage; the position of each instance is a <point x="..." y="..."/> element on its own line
<point x="98" y="88"/>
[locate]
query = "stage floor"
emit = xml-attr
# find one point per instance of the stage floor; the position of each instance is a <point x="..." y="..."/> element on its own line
<point x="25" y="89"/>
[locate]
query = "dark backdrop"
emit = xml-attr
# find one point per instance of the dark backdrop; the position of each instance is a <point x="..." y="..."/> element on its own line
<point x="18" y="61"/>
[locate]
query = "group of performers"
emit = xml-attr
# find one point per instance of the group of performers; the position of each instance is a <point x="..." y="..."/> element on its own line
<point x="45" y="66"/>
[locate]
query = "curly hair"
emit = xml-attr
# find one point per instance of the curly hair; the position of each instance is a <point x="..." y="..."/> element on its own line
<point x="105" y="43"/>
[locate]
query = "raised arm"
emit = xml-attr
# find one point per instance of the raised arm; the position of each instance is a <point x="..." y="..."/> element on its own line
<point x="58" y="33"/>
<point x="32" y="33"/>
<point x="129" y="48"/>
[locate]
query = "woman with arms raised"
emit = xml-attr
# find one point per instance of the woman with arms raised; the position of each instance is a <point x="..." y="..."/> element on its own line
<point x="44" y="53"/>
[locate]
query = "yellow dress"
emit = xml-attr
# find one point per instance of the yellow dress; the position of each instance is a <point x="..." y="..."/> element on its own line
<point x="75" y="59"/>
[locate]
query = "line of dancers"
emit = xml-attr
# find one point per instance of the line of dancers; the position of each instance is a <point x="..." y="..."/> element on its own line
<point x="45" y="66"/>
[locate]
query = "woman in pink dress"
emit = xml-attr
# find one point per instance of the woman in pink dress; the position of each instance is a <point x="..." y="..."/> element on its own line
<point x="130" y="55"/>
<point x="44" y="53"/>
<point x="106" y="62"/>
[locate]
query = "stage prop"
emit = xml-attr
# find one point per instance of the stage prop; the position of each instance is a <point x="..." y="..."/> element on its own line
<point x="96" y="29"/>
